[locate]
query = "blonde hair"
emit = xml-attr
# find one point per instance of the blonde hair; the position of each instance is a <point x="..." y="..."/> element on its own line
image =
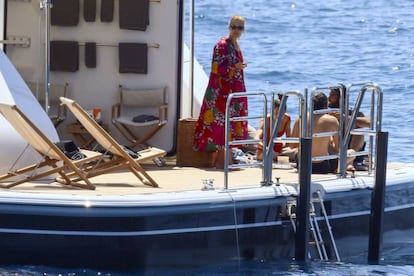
<point x="237" y="18"/>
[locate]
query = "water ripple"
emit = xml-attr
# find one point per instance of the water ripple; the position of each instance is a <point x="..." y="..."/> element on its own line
<point x="290" y="45"/>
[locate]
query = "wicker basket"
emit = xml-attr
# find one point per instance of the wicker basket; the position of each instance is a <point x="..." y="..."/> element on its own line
<point x="186" y="155"/>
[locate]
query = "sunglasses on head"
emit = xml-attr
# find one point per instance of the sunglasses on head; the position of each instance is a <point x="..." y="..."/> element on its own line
<point x="235" y="27"/>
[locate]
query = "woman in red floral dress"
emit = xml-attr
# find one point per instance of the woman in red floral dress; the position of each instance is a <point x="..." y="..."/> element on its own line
<point x="226" y="77"/>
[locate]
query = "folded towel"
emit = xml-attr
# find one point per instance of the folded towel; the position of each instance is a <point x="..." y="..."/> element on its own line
<point x="107" y="10"/>
<point x="134" y="14"/>
<point x="64" y="56"/>
<point x="90" y="54"/>
<point x="65" y="13"/>
<point x="89" y="10"/>
<point x="133" y="58"/>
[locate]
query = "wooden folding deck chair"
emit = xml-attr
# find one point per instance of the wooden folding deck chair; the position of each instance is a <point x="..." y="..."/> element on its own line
<point x="53" y="157"/>
<point x="121" y="159"/>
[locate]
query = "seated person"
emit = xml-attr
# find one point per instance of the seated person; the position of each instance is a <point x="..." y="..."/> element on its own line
<point x="322" y="146"/>
<point x="284" y="129"/>
<point x="251" y="134"/>
<point x="356" y="142"/>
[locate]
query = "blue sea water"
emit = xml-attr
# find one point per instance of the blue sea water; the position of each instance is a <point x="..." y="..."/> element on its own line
<point x="292" y="45"/>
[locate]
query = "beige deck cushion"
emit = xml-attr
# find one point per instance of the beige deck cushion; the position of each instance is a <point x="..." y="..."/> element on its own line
<point x="143" y="98"/>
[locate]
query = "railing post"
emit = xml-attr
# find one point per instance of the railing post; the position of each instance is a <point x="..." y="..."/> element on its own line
<point x="377" y="201"/>
<point x="302" y="210"/>
<point x="47" y="5"/>
<point x="229" y="119"/>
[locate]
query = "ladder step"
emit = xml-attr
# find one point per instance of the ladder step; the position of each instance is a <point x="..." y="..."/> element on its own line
<point x="316" y="234"/>
<point x="316" y="242"/>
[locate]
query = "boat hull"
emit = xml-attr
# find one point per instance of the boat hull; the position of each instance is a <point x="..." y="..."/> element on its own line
<point x="138" y="236"/>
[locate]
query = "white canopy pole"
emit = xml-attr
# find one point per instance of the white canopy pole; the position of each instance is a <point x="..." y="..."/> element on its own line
<point x="2" y="15"/>
<point x="191" y="65"/>
<point x="46" y="5"/>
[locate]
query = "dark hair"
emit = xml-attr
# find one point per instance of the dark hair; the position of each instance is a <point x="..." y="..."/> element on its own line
<point x="337" y="92"/>
<point x="278" y="101"/>
<point x="320" y="101"/>
<point x="337" y="89"/>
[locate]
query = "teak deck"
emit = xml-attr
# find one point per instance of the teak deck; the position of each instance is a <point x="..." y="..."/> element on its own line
<point x="170" y="178"/>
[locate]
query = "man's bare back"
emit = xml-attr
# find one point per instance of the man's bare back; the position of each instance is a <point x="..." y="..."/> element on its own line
<point x="321" y="145"/>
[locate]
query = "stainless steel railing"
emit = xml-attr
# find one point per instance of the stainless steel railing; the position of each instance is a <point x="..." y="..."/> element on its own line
<point x="347" y="121"/>
<point x="229" y="143"/>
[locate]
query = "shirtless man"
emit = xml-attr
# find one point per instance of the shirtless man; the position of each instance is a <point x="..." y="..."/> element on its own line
<point x="357" y="142"/>
<point x="322" y="146"/>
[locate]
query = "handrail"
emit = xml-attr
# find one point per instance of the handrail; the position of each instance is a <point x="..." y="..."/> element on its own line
<point x="229" y="143"/>
<point x="347" y="122"/>
<point x="268" y="154"/>
<point x="313" y="112"/>
<point x="375" y="113"/>
<point x="267" y="147"/>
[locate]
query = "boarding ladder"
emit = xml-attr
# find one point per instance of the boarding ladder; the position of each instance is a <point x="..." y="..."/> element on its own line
<point x="347" y="123"/>
<point x="318" y="236"/>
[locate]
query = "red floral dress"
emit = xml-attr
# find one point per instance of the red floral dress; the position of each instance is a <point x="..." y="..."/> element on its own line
<point x="224" y="79"/>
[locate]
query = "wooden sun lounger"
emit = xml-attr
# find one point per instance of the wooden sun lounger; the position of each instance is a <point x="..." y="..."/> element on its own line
<point x="52" y="156"/>
<point x="121" y="159"/>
